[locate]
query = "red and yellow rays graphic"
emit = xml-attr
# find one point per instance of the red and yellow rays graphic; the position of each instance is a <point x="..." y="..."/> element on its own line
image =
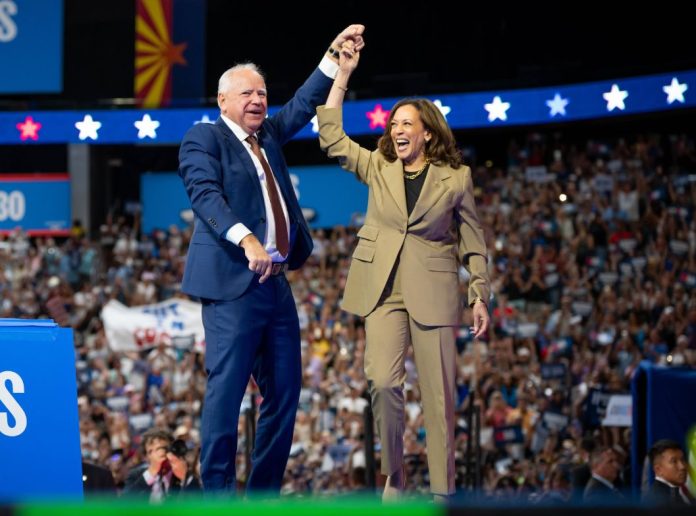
<point x="155" y="52"/>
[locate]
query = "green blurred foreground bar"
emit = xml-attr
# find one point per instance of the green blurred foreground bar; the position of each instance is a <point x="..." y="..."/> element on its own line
<point x="337" y="506"/>
<point x="284" y="507"/>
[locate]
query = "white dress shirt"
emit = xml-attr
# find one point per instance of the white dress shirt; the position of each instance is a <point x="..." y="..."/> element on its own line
<point x="160" y="485"/>
<point x="237" y="232"/>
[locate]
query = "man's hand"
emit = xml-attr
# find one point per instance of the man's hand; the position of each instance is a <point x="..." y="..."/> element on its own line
<point x="481" y="319"/>
<point x="259" y="260"/>
<point x="352" y="32"/>
<point x="156" y="455"/>
<point x="179" y="466"/>
<point x="155" y="465"/>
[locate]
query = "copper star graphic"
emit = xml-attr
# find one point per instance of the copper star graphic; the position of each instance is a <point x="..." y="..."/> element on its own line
<point x="174" y="54"/>
<point x="378" y="117"/>
<point x="29" y="129"/>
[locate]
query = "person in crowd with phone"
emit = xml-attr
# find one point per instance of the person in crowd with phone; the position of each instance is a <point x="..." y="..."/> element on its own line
<point x="165" y="472"/>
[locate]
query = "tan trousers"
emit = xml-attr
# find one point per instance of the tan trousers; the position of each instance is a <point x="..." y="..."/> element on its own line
<point x="389" y="331"/>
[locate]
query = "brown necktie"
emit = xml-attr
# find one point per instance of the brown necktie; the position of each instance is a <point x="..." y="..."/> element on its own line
<point x="281" y="227"/>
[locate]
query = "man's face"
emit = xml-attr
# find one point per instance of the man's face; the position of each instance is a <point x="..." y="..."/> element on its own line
<point x="156" y="451"/>
<point x="609" y="466"/>
<point x="671" y="466"/>
<point x="245" y="101"/>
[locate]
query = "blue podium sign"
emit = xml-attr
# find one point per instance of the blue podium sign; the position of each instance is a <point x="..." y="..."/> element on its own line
<point x="39" y="432"/>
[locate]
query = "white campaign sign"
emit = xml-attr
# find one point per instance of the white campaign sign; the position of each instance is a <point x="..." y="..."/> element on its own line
<point x="619" y="411"/>
<point x="141" y="327"/>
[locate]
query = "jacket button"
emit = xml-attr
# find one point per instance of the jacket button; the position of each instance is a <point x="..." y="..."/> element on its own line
<point x="262" y="219"/>
<point x="402" y="231"/>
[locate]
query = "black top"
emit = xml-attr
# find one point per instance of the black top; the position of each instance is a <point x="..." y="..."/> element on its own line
<point x="413" y="189"/>
<point x="136" y="485"/>
<point x="596" y="491"/>
<point x="97" y="479"/>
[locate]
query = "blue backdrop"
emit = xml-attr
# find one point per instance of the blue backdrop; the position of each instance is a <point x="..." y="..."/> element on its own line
<point x="163" y="199"/>
<point x="328" y="195"/>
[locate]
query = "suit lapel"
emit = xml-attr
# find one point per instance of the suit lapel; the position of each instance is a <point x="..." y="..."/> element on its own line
<point x="433" y="189"/>
<point x="241" y="152"/>
<point x="394" y="179"/>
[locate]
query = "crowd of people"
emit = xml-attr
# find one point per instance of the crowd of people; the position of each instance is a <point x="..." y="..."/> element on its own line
<point x="592" y="257"/>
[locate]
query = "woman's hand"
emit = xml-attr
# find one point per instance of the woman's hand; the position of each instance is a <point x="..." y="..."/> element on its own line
<point x="481" y="319"/>
<point x="349" y="57"/>
<point x="347" y="62"/>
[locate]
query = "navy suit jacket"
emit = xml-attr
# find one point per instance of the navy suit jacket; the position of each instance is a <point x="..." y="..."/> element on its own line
<point x="661" y="494"/>
<point x="224" y="189"/>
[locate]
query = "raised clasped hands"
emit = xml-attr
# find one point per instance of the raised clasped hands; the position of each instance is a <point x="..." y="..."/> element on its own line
<point x="352" y="33"/>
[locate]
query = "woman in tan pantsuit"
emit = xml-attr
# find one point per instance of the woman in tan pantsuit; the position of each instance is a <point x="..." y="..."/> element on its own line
<point x="421" y="223"/>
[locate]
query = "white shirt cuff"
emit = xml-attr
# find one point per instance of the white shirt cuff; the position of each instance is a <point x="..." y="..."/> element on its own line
<point x="329" y="67"/>
<point x="237" y="232"/>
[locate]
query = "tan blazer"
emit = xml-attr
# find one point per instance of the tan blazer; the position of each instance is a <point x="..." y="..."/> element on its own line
<point x="442" y="231"/>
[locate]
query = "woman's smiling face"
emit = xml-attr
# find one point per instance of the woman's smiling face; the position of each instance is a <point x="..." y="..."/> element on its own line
<point x="409" y="135"/>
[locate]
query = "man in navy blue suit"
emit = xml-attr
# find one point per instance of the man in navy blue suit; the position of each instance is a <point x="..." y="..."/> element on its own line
<point x="249" y="230"/>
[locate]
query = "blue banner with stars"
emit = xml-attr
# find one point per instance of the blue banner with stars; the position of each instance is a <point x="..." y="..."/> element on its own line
<point x="627" y="96"/>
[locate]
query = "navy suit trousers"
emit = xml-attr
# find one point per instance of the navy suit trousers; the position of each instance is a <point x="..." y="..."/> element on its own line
<point x="257" y="333"/>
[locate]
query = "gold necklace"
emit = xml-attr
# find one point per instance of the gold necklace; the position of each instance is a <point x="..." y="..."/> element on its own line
<point x="413" y="175"/>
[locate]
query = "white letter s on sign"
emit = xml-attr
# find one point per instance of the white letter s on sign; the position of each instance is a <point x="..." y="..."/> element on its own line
<point x="8" y="27"/>
<point x="6" y="398"/>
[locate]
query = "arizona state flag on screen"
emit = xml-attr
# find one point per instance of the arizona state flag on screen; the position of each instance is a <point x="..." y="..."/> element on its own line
<point x="169" y="51"/>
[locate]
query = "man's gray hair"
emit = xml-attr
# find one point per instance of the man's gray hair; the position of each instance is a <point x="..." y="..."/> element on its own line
<point x="225" y="82"/>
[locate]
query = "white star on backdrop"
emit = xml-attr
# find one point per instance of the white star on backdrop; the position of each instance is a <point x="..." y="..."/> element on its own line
<point x="615" y="98"/>
<point x="147" y="127"/>
<point x="445" y="110"/>
<point x="204" y="120"/>
<point x="675" y="91"/>
<point x="88" y="128"/>
<point x="315" y="124"/>
<point x="497" y="109"/>
<point x="557" y="105"/>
